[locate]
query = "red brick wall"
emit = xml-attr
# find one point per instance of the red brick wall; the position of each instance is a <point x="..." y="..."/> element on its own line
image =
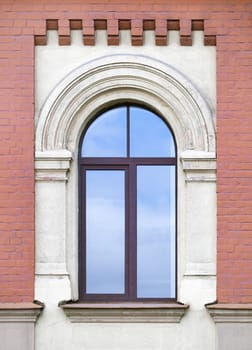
<point x="16" y="165"/>
<point x="234" y="155"/>
<point x="230" y="21"/>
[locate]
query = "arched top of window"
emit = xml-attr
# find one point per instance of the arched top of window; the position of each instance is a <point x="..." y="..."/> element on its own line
<point x="128" y="131"/>
<point x="127" y="169"/>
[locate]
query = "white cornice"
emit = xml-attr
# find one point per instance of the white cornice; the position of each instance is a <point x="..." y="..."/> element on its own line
<point x="124" y="313"/>
<point x="19" y="312"/>
<point x="52" y="165"/>
<point x="199" y="166"/>
<point x="230" y="313"/>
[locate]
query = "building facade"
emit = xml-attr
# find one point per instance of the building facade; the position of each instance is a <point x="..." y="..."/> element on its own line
<point x="108" y="90"/>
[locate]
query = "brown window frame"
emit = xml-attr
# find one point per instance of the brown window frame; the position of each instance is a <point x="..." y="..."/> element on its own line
<point x="129" y="165"/>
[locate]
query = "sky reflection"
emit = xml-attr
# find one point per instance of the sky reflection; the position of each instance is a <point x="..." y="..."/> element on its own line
<point x="155" y="231"/>
<point x="106" y="136"/>
<point x="149" y="136"/>
<point x="105" y="231"/>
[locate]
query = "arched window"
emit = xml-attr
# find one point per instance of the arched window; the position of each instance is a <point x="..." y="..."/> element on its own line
<point x="127" y="207"/>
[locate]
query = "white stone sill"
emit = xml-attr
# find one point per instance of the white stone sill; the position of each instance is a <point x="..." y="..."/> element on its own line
<point x="230" y="313"/>
<point x="124" y="312"/>
<point x="20" y="312"/>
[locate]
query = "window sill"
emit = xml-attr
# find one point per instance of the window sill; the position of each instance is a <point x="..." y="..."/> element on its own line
<point x="230" y="313"/>
<point x="20" y="312"/>
<point x="124" y="312"/>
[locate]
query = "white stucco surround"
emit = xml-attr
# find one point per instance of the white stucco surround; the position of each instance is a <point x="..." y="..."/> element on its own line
<point x="177" y="82"/>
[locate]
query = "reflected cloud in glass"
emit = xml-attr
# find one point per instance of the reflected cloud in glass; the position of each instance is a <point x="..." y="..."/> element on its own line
<point x="149" y="135"/>
<point x="106" y="136"/>
<point x="105" y="232"/>
<point x="155" y="231"/>
<point x="136" y="133"/>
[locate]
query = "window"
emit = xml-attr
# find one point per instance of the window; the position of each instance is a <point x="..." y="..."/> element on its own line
<point x="127" y="207"/>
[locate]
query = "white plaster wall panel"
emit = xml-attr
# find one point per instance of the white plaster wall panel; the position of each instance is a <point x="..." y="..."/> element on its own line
<point x="54" y="331"/>
<point x="197" y="291"/>
<point x="234" y="336"/>
<point x="53" y="62"/>
<point x="136" y="78"/>
<point x="141" y="337"/>
<point x="200" y="228"/>
<point x="64" y="124"/>
<point x="17" y="336"/>
<point x="50" y="222"/>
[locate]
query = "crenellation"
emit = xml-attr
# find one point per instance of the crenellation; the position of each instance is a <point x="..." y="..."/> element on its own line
<point x="161" y="27"/>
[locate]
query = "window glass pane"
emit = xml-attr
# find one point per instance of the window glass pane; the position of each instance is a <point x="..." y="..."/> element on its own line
<point x="149" y="135"/>
<point x="156" y="231"/>
<point x="106" y="136"/>
<point x="105" y="231"/>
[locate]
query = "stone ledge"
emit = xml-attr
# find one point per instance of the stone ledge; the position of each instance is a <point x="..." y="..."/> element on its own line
<point x="20" y="312"/>
<point x="124" y="312"/>
<point x="230" y="313"/>
<point x="199" y="166"/>
<point x="52" y="165"/>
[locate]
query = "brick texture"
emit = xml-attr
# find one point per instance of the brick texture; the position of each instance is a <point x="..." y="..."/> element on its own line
<point x="227" y="24"/>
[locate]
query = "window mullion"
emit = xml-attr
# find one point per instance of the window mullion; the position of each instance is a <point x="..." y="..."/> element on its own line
<point x="128" y="131"/>
<point x="82" y="229"/>
<point x="132" y="234"/>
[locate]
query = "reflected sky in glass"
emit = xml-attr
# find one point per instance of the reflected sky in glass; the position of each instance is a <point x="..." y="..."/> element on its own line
<point x="106" y="136"/>
<point x="149" y="135"/>
<point x="105" y="232"/>
<point x="156" y="231"/>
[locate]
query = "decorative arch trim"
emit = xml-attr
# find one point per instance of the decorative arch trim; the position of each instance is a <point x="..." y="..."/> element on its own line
<point x="102" y="82"/>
